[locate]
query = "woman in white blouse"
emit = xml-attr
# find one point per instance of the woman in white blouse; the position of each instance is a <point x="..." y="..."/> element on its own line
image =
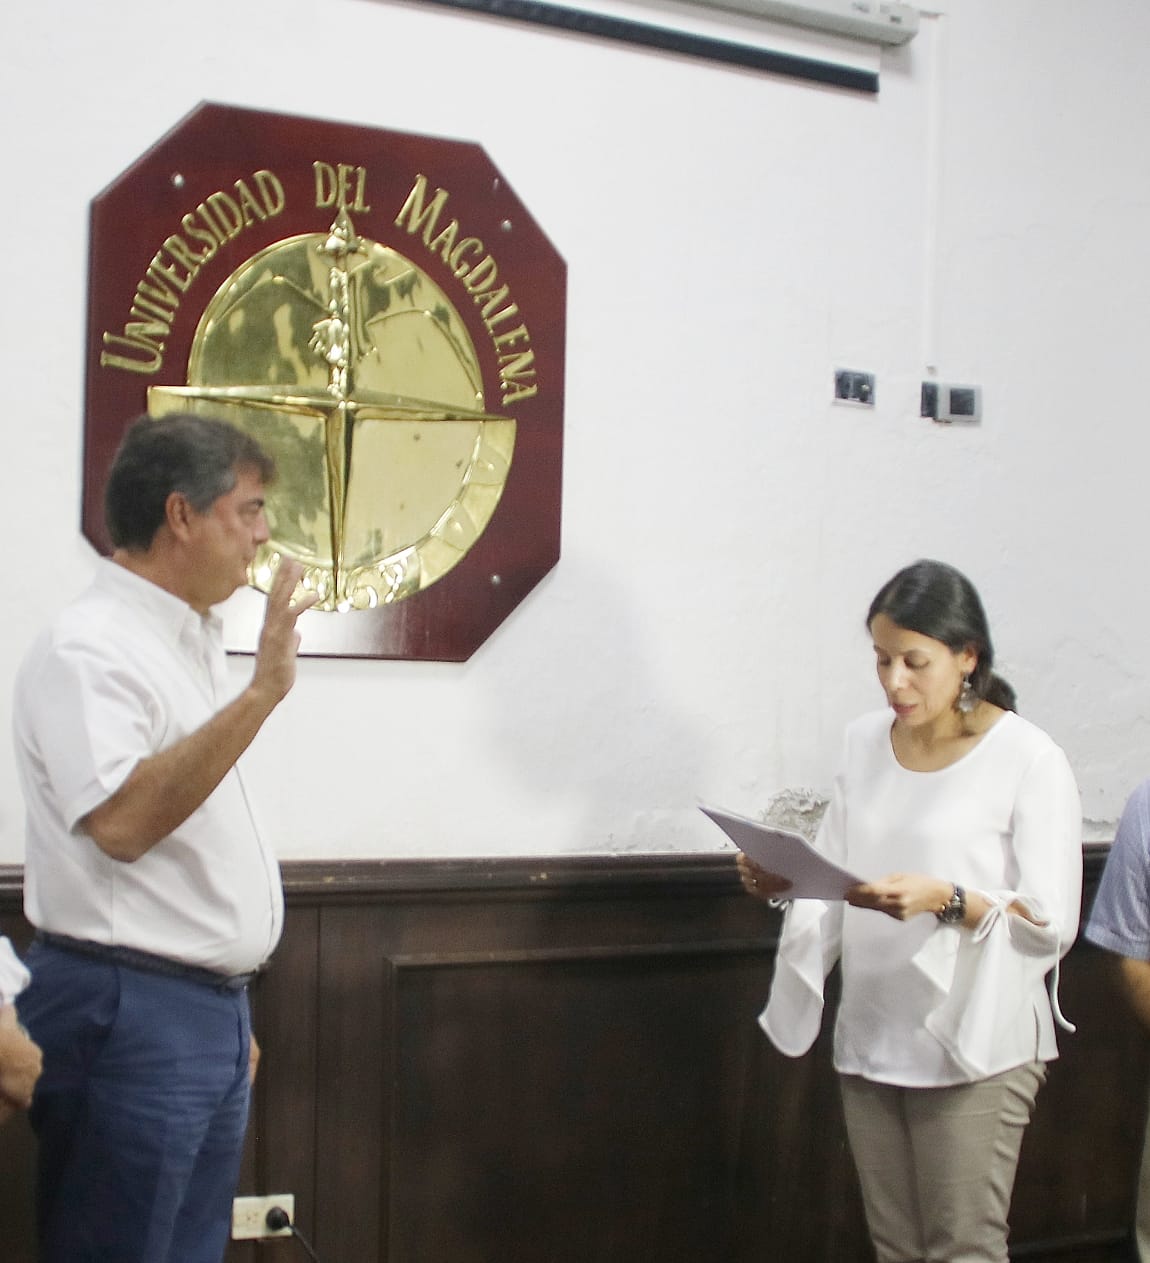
<point x="964" y="821"/>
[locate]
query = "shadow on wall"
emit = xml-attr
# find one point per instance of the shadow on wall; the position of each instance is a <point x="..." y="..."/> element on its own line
<point x="593" y="734"/>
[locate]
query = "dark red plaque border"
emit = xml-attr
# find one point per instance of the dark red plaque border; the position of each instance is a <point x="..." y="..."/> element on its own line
<point x="209" y="150"/>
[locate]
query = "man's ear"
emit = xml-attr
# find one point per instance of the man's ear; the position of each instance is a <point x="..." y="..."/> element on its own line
<point x="178" y="514"/>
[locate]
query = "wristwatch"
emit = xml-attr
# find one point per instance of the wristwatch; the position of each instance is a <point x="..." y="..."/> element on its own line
<point x="954" y="910"/>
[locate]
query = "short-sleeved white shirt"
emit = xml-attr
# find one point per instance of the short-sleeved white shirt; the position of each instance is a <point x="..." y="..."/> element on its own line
<point x="126" y="671"/>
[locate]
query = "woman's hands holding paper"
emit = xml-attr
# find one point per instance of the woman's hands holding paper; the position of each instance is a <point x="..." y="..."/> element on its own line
<point x="759" y="882"/>
<point x="901" y="895"/>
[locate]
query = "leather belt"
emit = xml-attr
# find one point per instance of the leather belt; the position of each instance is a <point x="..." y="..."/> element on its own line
<point x="134" y="958"/>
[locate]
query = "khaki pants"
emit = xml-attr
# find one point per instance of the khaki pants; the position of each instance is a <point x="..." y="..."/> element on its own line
<point x="936" y="1165"/>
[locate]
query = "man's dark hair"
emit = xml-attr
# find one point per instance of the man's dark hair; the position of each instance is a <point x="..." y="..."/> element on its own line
<point x="198" y="456"/>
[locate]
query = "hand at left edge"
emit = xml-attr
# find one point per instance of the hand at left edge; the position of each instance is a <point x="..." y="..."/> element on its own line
<point x="20" y="1063"/>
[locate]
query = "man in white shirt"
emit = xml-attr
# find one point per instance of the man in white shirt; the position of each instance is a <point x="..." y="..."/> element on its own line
<point x="19" y="1057"/>
<point x="154" y="897"/>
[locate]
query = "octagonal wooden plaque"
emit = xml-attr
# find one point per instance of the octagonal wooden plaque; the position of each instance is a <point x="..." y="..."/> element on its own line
<point x="383" y="314"/>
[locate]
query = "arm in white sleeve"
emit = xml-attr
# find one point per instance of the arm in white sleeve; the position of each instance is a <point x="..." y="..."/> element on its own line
<point x="808" y="949"/>
<point x="1046" y="855"/>
<point x="13" y="976"/>
<point x="995" y="968"/>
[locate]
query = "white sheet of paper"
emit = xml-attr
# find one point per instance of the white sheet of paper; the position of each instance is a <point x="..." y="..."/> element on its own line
<point x="812" y="876"/>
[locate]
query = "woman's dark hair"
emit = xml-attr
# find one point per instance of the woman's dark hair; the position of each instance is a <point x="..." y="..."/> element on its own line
<point x="198" y="456"/>
<point x="935" y="600"/>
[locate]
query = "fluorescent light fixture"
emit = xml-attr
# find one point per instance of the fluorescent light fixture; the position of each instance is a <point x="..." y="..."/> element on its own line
<point x="879" y="21"/>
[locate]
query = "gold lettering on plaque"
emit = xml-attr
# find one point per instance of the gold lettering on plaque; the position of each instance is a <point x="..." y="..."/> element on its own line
<point x="353" y="368"/>
<point x="139" y="348"/>
<point x="333" y="187"/>
<point x="421" y="219"/>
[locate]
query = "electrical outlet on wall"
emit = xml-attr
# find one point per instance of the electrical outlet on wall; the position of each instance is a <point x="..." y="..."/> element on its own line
<point x="250" y="1216"/>
<point x="944" y="402"/>
<point x="853" y="386"/>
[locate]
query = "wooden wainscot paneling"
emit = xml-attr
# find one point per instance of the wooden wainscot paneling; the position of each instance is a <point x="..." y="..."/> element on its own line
<point x="557" y="1061"/>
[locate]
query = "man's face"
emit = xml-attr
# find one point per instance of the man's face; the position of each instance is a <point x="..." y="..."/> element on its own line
<point x="225" y="539"/>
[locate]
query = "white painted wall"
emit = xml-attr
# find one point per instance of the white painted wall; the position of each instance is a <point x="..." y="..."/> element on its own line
<point x="731" y="237"/>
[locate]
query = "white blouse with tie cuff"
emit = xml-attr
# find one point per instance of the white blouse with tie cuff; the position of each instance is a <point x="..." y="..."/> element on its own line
<point x="925" y="1004"/>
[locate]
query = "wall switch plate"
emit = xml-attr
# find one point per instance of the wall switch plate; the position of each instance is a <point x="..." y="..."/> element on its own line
<point x="250" y="1216"/>
<point x="853" y="386"/>
<point x="944" y="402"/>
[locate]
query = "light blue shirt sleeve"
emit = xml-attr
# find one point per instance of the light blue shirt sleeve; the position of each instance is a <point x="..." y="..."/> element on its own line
<point x="1120" y="918"/>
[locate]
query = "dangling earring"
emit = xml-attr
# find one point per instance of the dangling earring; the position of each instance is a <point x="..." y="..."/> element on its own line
<point x="967" y="699"/>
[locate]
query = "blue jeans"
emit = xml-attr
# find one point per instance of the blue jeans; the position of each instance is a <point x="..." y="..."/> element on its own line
<point x="140" y="1112"/>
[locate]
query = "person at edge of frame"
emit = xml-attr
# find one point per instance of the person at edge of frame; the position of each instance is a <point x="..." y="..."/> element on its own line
<point x="20" y="1058"/>
<point x="1119" y="922"/>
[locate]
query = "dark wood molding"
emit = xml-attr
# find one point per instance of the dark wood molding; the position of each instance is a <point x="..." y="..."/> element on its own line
<point x="534" y="877"/>
<point x="558" y="1057"/>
